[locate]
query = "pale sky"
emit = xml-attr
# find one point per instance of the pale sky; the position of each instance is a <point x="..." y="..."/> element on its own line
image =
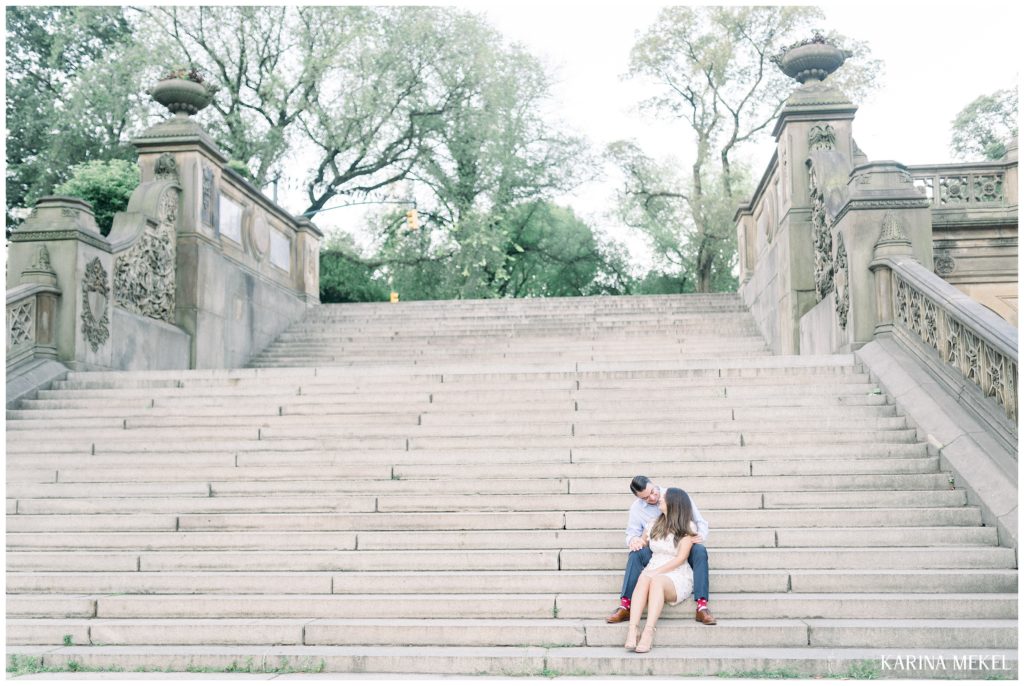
<point x="938" y="57"/>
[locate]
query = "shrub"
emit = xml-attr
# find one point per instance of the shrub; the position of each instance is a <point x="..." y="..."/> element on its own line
<point x="107" y="185"/>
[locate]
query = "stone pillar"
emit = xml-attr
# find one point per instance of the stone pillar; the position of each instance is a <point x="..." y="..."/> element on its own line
<point x="816" y="117"/>
<point x="197" y="164"/>
<point x="80" y="260"/>
<point x="883" y="209"/>
<point x="309" y="237"/>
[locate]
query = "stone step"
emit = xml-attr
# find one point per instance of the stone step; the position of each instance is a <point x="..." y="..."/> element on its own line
<point x="412" y="428"/>
<point x="518" y="606"/>
<point x="980" y="557"/>
<point x="663" y="459"/>
<point x="553" y="388"/>
<point x="490" y="539"/>
<point x="416" y="661"/>
<point x="478" y="503"/>
<point x="136" y="418"/>
<point x="818" y="558"/>
<point x="671" y="472"/>
<point x="943" y="580"/>
<point x="902" y="633"/>
<point x="313" y="405"/>
<point x="398" y="521"/>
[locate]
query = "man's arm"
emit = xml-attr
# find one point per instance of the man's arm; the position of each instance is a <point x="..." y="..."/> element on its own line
<point x="635" y="527"/>
<point x="698" y="519"/>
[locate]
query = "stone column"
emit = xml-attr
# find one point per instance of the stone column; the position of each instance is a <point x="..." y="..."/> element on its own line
<point x="883" y="209"/>
<point x="309" y="237"/>
<point x="816" y="117"/>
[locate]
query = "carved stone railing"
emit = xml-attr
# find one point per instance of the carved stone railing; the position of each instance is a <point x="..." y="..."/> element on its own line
<point x="974" y="350"/>
<point x="979" y="184"/>
<point x="31" y="310"/>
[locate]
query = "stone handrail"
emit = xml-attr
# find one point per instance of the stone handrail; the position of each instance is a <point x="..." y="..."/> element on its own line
<point x="972" y="184"/>
<point x="30" y="309"/>
<point x="975" y="344"/>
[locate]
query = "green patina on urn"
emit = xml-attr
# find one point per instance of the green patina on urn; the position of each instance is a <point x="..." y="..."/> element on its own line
<point x="811" y="60"/>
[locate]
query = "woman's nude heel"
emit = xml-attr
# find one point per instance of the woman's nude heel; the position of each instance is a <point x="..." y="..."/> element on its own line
<point x="646" y="640"/>
<point x="631" y="638"/>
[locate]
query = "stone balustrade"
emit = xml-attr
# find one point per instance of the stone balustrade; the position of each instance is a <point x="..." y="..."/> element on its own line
<point x="974" y="349"/>
<point x="972" y="184"/>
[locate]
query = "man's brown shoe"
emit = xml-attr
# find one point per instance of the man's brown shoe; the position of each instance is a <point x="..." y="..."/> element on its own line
<point x="705" y="617"/>
<point x="620" y="615"/>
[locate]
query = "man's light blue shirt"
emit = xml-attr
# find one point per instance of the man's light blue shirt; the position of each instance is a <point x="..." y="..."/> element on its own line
<point x="641" y="513"/>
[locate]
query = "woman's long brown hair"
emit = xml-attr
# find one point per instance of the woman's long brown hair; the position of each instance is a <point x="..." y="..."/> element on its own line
<point x="676" y="521"/>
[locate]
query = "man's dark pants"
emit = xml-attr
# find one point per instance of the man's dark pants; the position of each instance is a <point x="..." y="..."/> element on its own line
<point x="638" y="560"/>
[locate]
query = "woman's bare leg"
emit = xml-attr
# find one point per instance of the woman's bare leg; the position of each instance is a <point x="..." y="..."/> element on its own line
<point x="662" y="591"/>
<point x="639" y="600"/>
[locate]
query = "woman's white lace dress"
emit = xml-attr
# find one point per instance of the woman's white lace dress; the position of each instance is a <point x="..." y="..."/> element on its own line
<point x="664" y="551"/>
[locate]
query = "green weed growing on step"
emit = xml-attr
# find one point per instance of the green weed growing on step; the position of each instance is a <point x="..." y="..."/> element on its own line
<point x="24" y="664"/>
<point x="865" y="669"/>
<point x="760" y="674"/>
<point x="69" y="640"/>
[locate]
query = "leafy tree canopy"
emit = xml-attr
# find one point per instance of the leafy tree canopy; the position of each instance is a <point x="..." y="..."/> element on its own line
<point x="984" y="128"/>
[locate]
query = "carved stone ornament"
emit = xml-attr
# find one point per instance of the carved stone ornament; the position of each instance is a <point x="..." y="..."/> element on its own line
<point x="956" y="344"/>
<point x="95" y="304"/>
<point x="166" y="167"/>
<point x="21" y="323"/>
<point x="821" y="137"/>
<point x="144" y="274"/>
<point x="821" y="233"/>
<point x="892" y="230"/>
<point x="842" y="282"/>
<point x="208" y="213"/>
<point x="944" y="264"/>
<point x="42" y="262"/>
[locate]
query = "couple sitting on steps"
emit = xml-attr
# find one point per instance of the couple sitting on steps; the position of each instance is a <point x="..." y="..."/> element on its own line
<point x="667" y="559"/>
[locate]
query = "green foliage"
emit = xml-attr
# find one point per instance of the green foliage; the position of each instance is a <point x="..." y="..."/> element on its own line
<point x="984" y="128"/>
<point x="106" y="185"/>
<point x="240" y="167"/>
<point x="343" y="277"/>
<point x="74" y="93"/>
<point x="713" y="68"/>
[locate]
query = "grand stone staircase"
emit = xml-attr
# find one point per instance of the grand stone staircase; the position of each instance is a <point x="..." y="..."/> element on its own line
<point x="441" y="488"/>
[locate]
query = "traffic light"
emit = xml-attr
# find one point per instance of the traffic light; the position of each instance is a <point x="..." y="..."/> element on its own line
<point x="412" y="220"/>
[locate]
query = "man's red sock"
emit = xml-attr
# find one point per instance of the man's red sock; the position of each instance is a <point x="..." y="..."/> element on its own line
<point x="624" y="603"/>
<point x="702" y="604"/>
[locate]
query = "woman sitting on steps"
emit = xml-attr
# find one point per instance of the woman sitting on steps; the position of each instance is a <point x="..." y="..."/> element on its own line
<point x="667" y="577"/>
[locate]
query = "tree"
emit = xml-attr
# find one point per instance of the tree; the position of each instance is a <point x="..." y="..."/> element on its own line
<point x="713" y="67"/>
<point x="985" y="127"/>
<point x="74" y="94"/>
<point x="107" y="185"/>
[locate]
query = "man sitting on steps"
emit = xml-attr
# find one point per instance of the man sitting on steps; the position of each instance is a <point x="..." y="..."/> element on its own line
<point x="641" y="513"/>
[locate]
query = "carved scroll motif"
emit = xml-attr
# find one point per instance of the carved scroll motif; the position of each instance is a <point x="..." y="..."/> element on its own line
<point x="144" y="274"/>
<point x="822" y="235"/>
<point x="21" y="323"/>
<point x="95" y="301"/>
<point x="821" y="137"/>
<point x="842" y="282"/>
<point x="208" y="210"/>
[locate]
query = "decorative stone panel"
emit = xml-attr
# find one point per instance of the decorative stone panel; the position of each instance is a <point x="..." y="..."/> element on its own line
<point x="95" y="304"/>
<point x="144" y="280"/>
<point x="21" y="319"/>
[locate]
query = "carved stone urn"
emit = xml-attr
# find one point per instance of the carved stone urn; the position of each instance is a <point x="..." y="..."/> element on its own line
<point x="813" y="61"/>
<point x="182" y="96"/>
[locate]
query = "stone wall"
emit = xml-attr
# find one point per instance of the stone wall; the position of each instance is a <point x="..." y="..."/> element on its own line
<point x="201" y="271"/>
